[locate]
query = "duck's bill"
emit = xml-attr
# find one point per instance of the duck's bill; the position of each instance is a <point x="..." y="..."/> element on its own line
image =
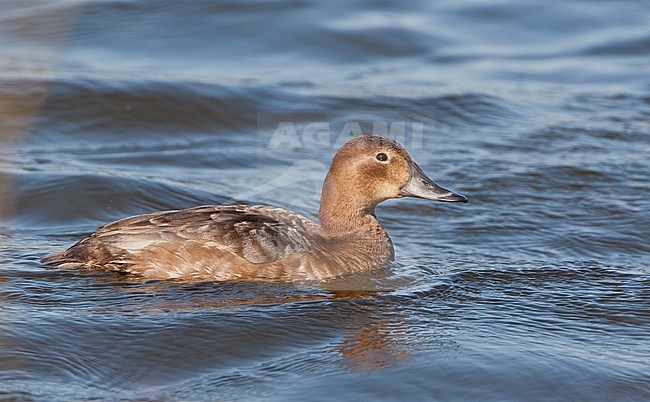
<point x="420" y="186"/>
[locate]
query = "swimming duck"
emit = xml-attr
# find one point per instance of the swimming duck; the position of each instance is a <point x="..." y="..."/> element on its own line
<point x="256" y="242"/>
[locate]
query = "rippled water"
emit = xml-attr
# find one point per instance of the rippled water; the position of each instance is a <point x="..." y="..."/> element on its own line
<point x="538" y="289"/>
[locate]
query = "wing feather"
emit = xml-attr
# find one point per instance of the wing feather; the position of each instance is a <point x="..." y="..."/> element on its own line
<point x="260" y="234"/>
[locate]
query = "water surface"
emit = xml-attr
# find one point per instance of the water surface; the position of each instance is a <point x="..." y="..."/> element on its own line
<point x="538" y="289"/>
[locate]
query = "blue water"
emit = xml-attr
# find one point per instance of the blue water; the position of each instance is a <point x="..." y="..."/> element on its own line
<point x="538" y="289"/>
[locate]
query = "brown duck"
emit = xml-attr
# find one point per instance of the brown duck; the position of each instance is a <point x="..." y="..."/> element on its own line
<point x="256" y="242"/>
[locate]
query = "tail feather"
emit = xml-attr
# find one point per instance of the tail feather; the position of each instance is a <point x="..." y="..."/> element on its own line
<point x="86" y="253"/>
<point x="57" y="258"/>
<point x="64" y="260"/>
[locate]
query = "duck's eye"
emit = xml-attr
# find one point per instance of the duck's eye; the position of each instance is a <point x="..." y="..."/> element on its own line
<point x="382" y="157"/>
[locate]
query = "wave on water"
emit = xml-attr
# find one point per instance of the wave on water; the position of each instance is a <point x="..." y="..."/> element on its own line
<point x="535" y="289"/>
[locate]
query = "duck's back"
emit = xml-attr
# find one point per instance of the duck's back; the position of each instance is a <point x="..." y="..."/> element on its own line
<point x="207" y="242"/>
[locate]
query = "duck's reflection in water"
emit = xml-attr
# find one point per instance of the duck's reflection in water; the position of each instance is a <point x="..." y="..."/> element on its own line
<point x="371" y="343"/>
<point x="365" y="330"/>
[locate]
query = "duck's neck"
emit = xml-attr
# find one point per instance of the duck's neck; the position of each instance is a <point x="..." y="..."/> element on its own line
<point x="342" y="213"/>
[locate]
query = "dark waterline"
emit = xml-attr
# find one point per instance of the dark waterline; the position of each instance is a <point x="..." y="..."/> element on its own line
<point x="538" y="289"/>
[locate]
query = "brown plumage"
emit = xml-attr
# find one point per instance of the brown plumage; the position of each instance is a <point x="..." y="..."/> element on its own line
<point x="254" y="242"/>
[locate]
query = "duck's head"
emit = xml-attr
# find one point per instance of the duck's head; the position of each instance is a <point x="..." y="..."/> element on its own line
<point x="370" y="169"/>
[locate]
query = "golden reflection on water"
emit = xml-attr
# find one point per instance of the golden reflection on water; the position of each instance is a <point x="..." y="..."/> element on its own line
<point x="372" y="345"/>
